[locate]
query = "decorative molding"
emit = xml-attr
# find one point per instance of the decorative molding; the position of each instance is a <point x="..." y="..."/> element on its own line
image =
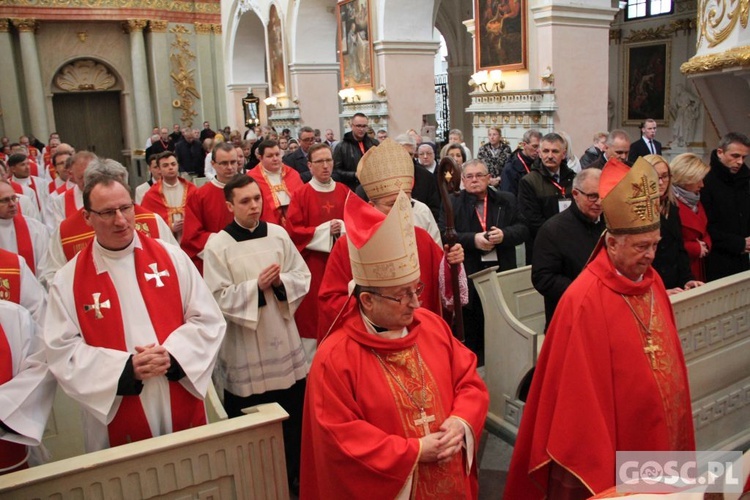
<point x="718" y="19"/>
<point x="661" y="32"/>
<point x="313" y="68"/>
<point x="83" y="75"/>
<point x="216" y="28"/>
<point x="179" y="30"/>
<point x="26" y="25"/>
<point x="183" y="6"/>
<point x="615" y="35"/>
<point x="134" y="25"/>
<point x="203" y="28"/>
<point x="4" y="26"/>
<point x="158" y="26"/>
<point x="182" y="73"/>
<point x="403" y="47"/>
<point x="738" y="57"/>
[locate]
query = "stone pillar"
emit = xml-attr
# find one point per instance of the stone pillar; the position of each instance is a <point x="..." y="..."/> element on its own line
<point x="316" y="88"/>
<point x="205" y="75"/>
<point x="35" y="97"/>
<point x="459" y="99"/>
<point x="408" y="98"/>
<point x="159" y="69"/>
<point x="144" y="121"/>
<point x="573" y="40"/>
<point x="12" y="116"/>
<point x="220" y="84"/>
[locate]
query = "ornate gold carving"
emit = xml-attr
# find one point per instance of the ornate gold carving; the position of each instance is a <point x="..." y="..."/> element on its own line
<point x="615" y="35"/>
<point x="26" y="25"/>
<point x="179" y="29"/>
<point x="85" y="75"/>
<point x="212" y="8"/>
<point x="4" y="26"/>
<point x="158" y="26"/>
<point x="733" y="58"/>
<point x="82" y="36"/>
<point x="216" y="28"/>
<point x="134" y="25"/>
<point x="660" y="32"/>
<point x="182" y="59"/>
<point x="203" y="28"/>
<point x="718" y="19"/>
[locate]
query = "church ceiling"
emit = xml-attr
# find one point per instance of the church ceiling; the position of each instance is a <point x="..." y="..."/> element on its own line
<point x="82" y="10"/>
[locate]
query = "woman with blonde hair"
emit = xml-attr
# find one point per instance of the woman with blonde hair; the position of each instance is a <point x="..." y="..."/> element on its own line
<point x="688" y="171"/>
<point x="671" y="261"/>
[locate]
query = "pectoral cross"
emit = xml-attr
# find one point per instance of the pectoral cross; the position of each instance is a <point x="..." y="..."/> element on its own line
<point x="327" y="207"/>
<point x="156" y="275"/>
<point x="424" y="420"/>
<point x="650" y="351"/>
<point x="97" y="306"/>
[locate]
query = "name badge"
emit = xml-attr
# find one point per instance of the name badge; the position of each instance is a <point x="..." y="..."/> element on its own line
<point x="563" y="204"/>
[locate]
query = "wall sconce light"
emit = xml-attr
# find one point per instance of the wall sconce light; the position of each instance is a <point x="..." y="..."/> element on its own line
<point x="349" y="95"/>
<point x="488" y="81"/>
<point x="271" y="102"/>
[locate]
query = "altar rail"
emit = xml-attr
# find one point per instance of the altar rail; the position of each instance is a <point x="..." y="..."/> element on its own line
<point x="713" y="322"/>
<point x="241" y="458"/>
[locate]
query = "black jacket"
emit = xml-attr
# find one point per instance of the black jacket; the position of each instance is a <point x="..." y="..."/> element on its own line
<point x="671" y="260"/>
<point x="591" y="155"/>
<point x="298" y="161"/>
<point x="726" y="198"/>
<point x="513" y="171"/>
<point x="190" y="157"/>
<point x="346" y="156"/>
<point x="426" y="190"/>
<point x="561" y="249"/>
<point x="640" y="148"/>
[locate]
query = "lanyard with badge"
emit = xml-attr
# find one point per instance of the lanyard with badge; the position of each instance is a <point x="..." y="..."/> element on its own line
<point x="562" y="203"/>
<point x="490" y="256"/>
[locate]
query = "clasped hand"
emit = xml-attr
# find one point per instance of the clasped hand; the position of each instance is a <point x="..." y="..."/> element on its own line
<point x="442" y="445"/>
<point x="150" y="361"/>
<point x="270" y="276"/>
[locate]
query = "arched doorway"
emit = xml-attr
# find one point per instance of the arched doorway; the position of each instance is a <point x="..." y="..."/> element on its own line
<point x="88" y="111"/>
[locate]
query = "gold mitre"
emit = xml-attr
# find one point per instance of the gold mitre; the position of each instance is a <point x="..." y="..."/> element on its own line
<point x="386" y="169"/>
<point x="382" y="249"/>
<point x="630" y="197"/>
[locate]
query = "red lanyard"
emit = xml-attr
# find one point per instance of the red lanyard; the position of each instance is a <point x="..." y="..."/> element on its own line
<point x="362" y="146"/>
<point x="524" y="163"/>
<point x="482" y="220"/>
<point x="558" y="186"/>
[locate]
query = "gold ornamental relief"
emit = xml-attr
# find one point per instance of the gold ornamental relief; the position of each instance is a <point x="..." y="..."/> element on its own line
<point x="25" y="25"/>
<point x="737" y="57"/>
<point x="85" y="75"/>
<point x="183" y="74"/>
<point x="4" y="26"/>
<point x="718" y="18"/>
<point x="158" y="26"/>
<point x="166" y="5"/>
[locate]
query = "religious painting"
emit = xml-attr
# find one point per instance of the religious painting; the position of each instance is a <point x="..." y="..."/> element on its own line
<point x="646" y="83"/>
<point x="276" y="52"/>
<point x="355" y="43"/>
<point x="500" y="34"/>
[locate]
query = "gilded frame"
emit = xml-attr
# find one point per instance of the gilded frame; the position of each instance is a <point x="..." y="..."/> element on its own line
<point x="645" y="89"/>
<point x="355" y="43"/>
<point x="500" y="34"/>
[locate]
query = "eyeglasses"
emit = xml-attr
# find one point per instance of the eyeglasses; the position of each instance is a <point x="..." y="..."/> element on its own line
<point x="589" y="196"/>
<point x="227" y="163"/>
<point x="471" y="177"/>
<point x="110" y="214"/>
<point x="403" y="299"/>
<point x="665" y="177"/>
<point x="9" y="199"/>
<point x="360" y="126"/>
<point x="327" y="161"/>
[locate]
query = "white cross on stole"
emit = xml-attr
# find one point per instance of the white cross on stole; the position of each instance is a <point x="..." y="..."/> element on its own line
<point x="156" y="275"/>
<point x="97" y="306"/>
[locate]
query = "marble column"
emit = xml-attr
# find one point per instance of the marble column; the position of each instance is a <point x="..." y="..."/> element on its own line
<point x="316" y="88"/>
<point x="35" y="98"/>
<point x="205" y="75"/>
<point x="159" y="69"/>
<point x="10" y="100"/>
<point x="220" y="84"/>
<point x="572" y="39"/>
<point x="144" y="120"/>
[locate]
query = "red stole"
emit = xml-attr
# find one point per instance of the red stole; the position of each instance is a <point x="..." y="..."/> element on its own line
<point x="75" y="234"/>
<point x="23" y="241"/>
<point x="10" y="277"/>
<point x="33" y="168"/>
<point x="11" y="454"/>
<point x="106" y="330"/>
<point x="70" y="202"/>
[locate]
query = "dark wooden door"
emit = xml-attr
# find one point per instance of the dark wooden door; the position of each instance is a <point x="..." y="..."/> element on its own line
<point x="91" y="121"/>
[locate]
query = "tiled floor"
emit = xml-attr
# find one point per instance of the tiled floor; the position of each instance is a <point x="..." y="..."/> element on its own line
<point x="494" y="460"/>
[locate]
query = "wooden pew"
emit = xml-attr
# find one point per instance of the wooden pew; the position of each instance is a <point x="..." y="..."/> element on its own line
<point x="714" y="327"/>
<point x="241" y="458"/>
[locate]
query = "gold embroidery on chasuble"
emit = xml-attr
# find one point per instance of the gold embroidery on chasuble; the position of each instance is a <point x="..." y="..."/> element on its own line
<point x="431" y="480"/>
<point x="668" y="372"/>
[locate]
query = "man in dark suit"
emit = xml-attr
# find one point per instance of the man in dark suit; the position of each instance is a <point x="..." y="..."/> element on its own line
<point x="647" y="144"/>
<point x="298" y="159"/>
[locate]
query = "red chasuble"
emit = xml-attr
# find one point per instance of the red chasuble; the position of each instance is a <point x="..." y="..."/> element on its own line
<point x="597" y="388"/>
<point x="23" y="241"/>
<point x="205" y="213"/>
<point x="272" y="210"/>
<point x="360" y="438"/>
<point x="11" y="454"/>
<point x="155" y="201"/>
<point x="75" y="234"/>
<point x="104" y="328"/>
<point x="10" y="277"/>
<point x="334" y="288"/>
<point x="308" y="209"/>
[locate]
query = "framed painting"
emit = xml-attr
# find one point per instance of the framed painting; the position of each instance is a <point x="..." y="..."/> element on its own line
<point x="276" y="52"/>
<point x="500" y="34"/>
<point x="355" y="43"/>
<point x="646" y="85"/>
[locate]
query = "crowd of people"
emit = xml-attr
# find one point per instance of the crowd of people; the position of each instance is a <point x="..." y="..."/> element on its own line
<point x="314" y="272"/>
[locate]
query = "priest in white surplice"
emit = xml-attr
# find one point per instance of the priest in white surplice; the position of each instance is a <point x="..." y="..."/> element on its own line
<point x="132" y="331"/>
<point x="27" y="388"/>
<point x="259" y="279"/>
<point x="19" y="233"/>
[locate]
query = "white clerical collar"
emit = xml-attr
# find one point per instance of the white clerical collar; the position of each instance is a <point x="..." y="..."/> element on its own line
<point x="640" y="278"/>
<point x="5" y="223"/>
<point x="217" y="183"/>
<point x="101" y="252"/>
<point x="431" y="168"/>
<point x="370" y="326"/>
<point x="274" y="176"/>
<point x="251" y="229"/>
<point x="23" y="181"/>
<point x="170" y="186"/>
<point x="322" y="188"/>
